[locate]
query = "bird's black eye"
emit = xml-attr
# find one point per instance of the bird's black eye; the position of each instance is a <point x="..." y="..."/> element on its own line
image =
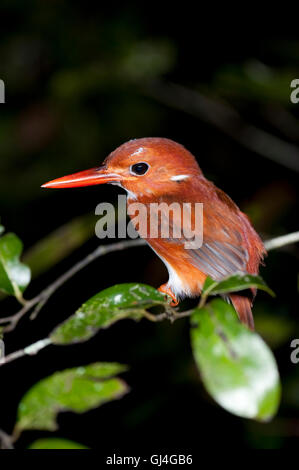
<point x="139" y="168"/>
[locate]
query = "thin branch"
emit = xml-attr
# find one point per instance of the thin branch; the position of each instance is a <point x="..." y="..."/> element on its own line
<point x="13" y="319"/>
<point x="173" y="316"/>
<point x="6" y="441"/>
<point x="282" y="241"/>
<point x="39" y="301"/>
<point x="28" y="351"/>
<point x="169" y="314"/>
<point x="224" y="117"/>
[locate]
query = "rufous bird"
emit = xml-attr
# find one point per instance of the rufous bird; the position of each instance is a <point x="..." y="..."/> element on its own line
<point x="161" y="170"/>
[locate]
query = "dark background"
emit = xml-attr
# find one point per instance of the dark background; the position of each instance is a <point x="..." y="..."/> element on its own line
<point x="80" y="80"/>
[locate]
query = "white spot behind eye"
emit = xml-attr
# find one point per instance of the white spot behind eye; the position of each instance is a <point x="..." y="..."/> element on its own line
<point x="179" y="177"/>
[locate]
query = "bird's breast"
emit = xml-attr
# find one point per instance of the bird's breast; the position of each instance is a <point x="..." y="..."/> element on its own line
<point x="153" y="220"/>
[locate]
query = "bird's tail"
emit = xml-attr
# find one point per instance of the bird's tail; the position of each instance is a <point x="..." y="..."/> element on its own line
<point x="243" y="307"/>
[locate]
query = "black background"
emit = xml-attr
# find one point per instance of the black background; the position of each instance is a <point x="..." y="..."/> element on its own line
<point x="167" y="405"/>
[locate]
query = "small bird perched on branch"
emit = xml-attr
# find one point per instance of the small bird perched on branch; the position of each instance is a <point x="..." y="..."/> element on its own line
<point x="155" y="170"/>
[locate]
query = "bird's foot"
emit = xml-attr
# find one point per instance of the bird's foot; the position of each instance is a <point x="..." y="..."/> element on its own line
<point x="165" y="289"/>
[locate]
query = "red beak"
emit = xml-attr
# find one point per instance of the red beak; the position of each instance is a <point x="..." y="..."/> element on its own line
<point x="84" y="178"/>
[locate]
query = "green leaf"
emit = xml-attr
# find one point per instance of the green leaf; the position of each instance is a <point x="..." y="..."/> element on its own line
<point x="237" y="367"/>
<point x="79" y="389"/>
<point x="112" y="304"/>
<point x="55" y="443"/>
<point x="14" y="276"/>
<point x="234" y="283"/>
<point x="2" y="229"/>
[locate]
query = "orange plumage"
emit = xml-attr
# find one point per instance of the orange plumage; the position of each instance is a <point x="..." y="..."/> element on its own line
<point x="155" y="170"/>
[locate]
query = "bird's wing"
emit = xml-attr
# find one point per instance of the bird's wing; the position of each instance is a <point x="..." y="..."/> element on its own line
<point x="223" y="251"/>
<point x="219" y="259"/>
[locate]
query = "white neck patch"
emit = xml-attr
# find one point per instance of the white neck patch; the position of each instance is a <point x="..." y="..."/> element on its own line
<point x="130" y="194"/>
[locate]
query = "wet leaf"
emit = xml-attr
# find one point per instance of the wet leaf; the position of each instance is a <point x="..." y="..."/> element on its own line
<point x="112" y="304"/>
<point x="79" y="389"/>
<point x="55" y="443"/>
<point x="14" y="276"/>
<point x="236" y="366"/>
<point x="234" y="283"/>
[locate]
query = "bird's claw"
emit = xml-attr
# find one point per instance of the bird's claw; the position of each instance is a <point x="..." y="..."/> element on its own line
<point x="165" y="289"/>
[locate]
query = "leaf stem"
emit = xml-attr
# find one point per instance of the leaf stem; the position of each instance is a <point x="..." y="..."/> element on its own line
<point x="41" y="299"/>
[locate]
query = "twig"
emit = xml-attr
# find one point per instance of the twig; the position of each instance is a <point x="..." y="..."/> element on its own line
<point x="169" y="314"/>
<point x="6" y="441"/>
<point x="282" y="241"/>
<point x="28" y="351"/>
<point x="13" y="319"/>
<point x="36" y="347"/>
<point x="40" y="300"/>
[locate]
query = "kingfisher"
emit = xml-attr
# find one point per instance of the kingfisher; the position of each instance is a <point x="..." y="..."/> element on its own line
<point x="159" y="170"/>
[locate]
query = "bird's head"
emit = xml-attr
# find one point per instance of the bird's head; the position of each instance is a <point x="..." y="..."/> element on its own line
<point x="143" y="167"/>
